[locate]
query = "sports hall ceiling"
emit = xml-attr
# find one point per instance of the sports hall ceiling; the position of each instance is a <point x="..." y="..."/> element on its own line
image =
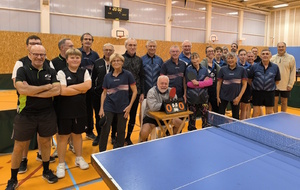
<point x="263" y="5"/>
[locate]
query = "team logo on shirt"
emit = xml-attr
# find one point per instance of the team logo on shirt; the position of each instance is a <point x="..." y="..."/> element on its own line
<point x="47" y="77"/>
<point x="115" y="80"/>
<point x="69" y="78"/>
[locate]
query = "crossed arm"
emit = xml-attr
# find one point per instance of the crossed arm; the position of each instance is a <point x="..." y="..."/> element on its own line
<point x="43" y="91"/>
<point x="76" y="88"/>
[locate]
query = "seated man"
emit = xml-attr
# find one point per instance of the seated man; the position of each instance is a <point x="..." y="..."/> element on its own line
<point x="155" y="97"/>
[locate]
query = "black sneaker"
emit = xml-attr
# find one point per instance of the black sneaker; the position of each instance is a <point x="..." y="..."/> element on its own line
<point x="113" y="140"/>
<point x="11" y="184"/>
<point x="23" y="166"/>
<point x="192" y="128"/>
<point x="96" y="141"/>
<point x="39" y="158"/>
<point x="49" y="176"/>
<point x="90" y="136"/>
<point x="128" y="141"/>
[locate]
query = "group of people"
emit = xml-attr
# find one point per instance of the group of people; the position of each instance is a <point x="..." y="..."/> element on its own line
<point x="113" y="86"/>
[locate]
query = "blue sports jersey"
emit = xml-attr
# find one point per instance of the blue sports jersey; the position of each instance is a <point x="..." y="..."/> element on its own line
<point x="197" y="95"/>
<point x="232" y="82"/>
<point x="117" y="96"/>
<point x="152" y="67"/>
<point x="264" y="79"/>
<point x="175" y="74"/>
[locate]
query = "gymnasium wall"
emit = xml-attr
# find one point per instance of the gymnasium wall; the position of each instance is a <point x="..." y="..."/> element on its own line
<point x="295" y="51"/>
<point x="14" y="47"/>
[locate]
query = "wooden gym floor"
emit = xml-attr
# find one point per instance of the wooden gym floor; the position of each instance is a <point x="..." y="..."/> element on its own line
<point x="75" y="178"/>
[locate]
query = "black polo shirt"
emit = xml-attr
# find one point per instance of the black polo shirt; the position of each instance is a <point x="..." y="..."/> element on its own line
<point x="72" y="106"/>
<point x="232" y="82"/>
<point x="35" y="77"/>
<point x="175" y="74"/>
<point x="59" y="63"/>
<point x="117" y="96"/>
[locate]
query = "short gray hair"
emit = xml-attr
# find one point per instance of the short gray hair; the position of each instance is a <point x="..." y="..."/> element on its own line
<point x="151" y="41"/>
<point x="130" y="39"/>
<point x="186" y="41"/>
<point x="108" y="44"/>
<point x="232" y="55"/>
<point x="62" y="42"/>
<point x="163" y="77"/>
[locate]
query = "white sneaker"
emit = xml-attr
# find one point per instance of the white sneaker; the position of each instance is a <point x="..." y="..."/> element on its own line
<point x="81" y="163"/>
<point x="60" y="170"/>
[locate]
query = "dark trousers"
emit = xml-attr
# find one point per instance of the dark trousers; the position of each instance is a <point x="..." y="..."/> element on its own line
<point x="235" y="109"/>
<point x="214" y="104"/>
<point x="121" y="126"/>
<point x="89" y="110"/>
<point x="213" y="101"/>
<point x="133" y="111"/>
<point x="96" y="105"/>
<point x="198" y="110"/>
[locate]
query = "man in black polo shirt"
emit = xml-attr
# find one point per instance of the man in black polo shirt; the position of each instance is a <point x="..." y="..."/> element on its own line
<point x="174" y="68"/>
<point x="25" y="61"/>
<point x="59" y="62"/>
<point x="87" y="62"/>
<point x="36" y="84"/>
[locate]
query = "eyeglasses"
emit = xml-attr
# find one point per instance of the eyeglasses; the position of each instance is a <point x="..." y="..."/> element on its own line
<point x="38" y="54"/>
<point x="109" y="50"/>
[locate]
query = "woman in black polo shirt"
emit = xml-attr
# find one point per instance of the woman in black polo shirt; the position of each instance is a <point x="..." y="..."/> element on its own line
<point x="232" y="83"/>
<point x="114" y="100"/>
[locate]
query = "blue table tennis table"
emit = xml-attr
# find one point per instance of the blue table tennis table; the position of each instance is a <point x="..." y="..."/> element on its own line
<point x="212" y="158"/>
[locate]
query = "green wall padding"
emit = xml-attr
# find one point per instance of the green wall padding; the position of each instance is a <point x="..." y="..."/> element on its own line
<point x="6" y="82"/>
<point x="6" y="128"/>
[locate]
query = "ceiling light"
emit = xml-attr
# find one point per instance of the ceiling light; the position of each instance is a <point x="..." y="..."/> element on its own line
<point x="281" y="5"/>
<point x="233" y="13"/>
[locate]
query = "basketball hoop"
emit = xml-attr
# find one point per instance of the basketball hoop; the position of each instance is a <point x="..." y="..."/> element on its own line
<point x="213" y="38"/>
<point x="119" y="33"/>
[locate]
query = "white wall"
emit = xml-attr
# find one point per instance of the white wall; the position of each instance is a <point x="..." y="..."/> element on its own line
<point x="147" y="20"/>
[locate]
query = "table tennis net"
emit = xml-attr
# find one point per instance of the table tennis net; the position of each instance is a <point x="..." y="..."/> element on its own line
<point x="257" y="133"/>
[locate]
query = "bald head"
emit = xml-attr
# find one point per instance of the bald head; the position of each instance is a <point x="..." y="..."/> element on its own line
<point x="281" y="48"/>
<point x="37" y="55"/>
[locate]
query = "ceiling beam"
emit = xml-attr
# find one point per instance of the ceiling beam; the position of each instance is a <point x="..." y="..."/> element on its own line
<point x="250" y="3"/>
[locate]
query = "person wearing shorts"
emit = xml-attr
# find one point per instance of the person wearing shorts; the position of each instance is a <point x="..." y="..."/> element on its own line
<point x="37" y="84"/>
<point x="154" y="102"/>
<point x="245" y="100"/>
<point x="263" y="77"/>
<point x="72" y="120"/>
<point x="287" y="67"/>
